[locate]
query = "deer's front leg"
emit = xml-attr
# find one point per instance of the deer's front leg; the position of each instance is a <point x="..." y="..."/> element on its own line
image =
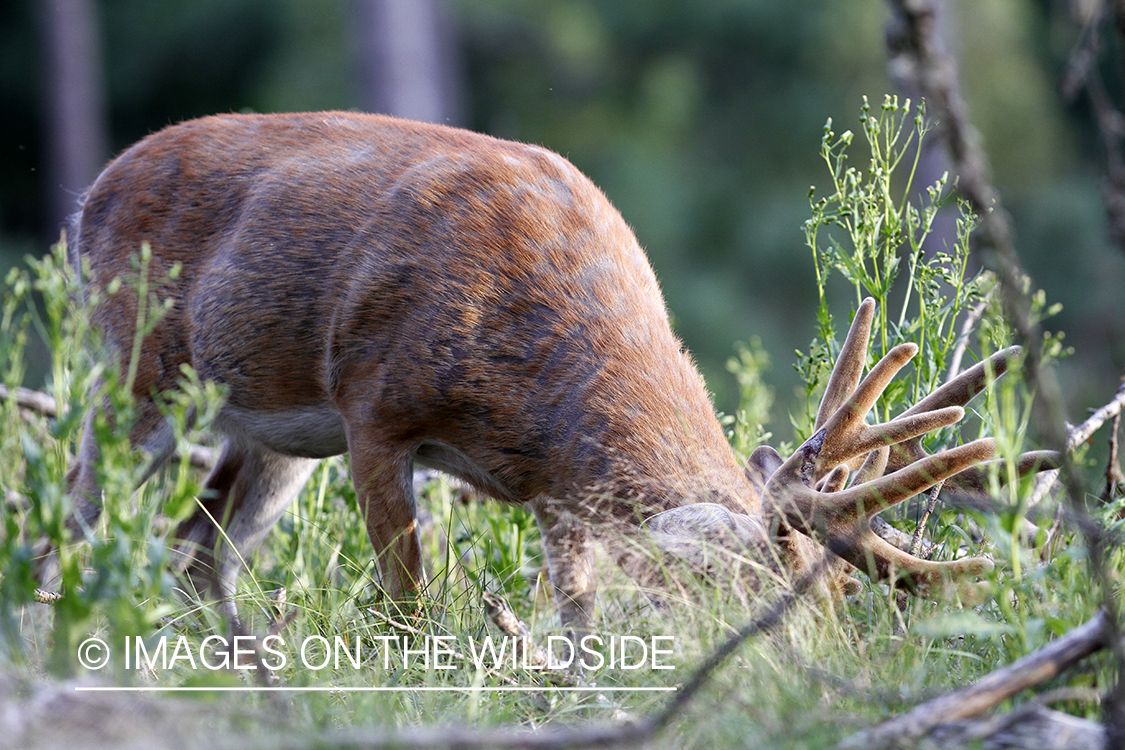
<point x="570" y="560"/>
<point x="382" y="475"/>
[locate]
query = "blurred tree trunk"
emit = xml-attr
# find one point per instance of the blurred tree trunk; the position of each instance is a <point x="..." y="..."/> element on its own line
<point x="75" y="122"/>
<point x="409" y="66"/>
<point x="934" y="160"/>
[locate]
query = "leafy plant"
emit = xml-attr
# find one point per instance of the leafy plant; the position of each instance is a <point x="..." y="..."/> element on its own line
<point x="112" y="575"/>
<point x="868" y="229"/>
<point x="865" y="228"/>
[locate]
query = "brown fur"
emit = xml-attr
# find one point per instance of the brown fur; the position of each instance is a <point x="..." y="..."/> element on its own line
<point x="431" y="287"/>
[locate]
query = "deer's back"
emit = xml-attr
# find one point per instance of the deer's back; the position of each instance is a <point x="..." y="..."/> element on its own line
<point x="458" y="289"/>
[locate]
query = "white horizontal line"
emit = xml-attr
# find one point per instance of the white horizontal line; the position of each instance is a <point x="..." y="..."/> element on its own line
<point x="383" y="689"/>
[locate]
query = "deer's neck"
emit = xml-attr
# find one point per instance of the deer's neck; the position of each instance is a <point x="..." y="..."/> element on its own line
<point x="651" y="440"/>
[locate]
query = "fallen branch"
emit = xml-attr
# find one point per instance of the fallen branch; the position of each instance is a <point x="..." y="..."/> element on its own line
<point x="1033" y="726"/>
<point x="36" y="401"/>
<point x="998" y="686"/>
<point x="1078" y="435"/>
<point x="199" y="456"/>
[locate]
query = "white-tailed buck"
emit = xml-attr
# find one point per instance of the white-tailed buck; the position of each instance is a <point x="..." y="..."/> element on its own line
<point x="411" y="293"/>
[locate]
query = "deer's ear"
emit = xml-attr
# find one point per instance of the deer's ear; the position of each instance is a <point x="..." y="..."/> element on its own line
<point x="689" y="531"/>
<point x="764" y="461"/>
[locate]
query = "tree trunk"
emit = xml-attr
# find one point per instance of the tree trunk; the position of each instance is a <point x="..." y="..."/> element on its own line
<point x="75" y="112"/>
<point x="408" y="60"/>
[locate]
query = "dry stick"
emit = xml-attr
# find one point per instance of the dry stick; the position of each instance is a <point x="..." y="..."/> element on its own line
<point x="511" y="625"/>
<point x="919" y="531"/>
<point x="1078" y="435"/>
<point x="916" y="41"/>
<point x="199" y="456"/>
<point x="967" y="326"/>
<point x="1029" y="726"/>
<point x="36" y="401"/>
<point x="894" y="537"/>
<point x="998" y="686"/>
<point x="1113" y="475"/>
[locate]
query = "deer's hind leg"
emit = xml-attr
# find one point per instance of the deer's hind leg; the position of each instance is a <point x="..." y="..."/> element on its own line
<point x="244" y="496"/>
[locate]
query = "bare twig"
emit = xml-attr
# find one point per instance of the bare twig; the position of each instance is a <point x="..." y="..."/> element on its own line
<point x="510" y="625"/>
<point x="36" y="401"/>
<point x="1113" y="476"/>
<point x="199" y="456"/>
<point x="1078" y="435"/>
<point x="396" y="624"/>
<point x="992" y="689"/>
<point x="919" y="531"/>
<point x="894" y="537"/>
<point x="967" y="326"/>
<point x="1084" y="431"/>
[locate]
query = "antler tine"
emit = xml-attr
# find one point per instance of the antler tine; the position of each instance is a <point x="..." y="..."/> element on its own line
<point x="847" y="400"/>
<point x="849" y="365"/>
<point x="887" y="491"/>
<point x="874" y="466"/>
<point x="841" y="520"/>
<point x="836" y="480"/>
<point x="898" y="430"/>
<point x="846" y="436"/>
<point x="974" y="480"/>
<point x="963" y="388"/>
<point x="960" y="391"/>
<point x="867" y="393"/>
<point x="927" y="579"/>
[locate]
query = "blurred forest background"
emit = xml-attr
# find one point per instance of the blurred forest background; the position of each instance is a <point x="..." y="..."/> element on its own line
<point x="701" y="120"/>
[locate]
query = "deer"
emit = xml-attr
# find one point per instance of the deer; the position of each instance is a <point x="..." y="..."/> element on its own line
<point x="413" y="293"/>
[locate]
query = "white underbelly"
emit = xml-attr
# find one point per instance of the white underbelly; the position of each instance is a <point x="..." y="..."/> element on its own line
<point x="318" y="432"/>
<point x="307" y="431"/>
<point x="446" y="458"/>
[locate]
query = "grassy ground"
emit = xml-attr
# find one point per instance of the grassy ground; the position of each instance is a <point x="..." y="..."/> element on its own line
<point x="829" y="669"/>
